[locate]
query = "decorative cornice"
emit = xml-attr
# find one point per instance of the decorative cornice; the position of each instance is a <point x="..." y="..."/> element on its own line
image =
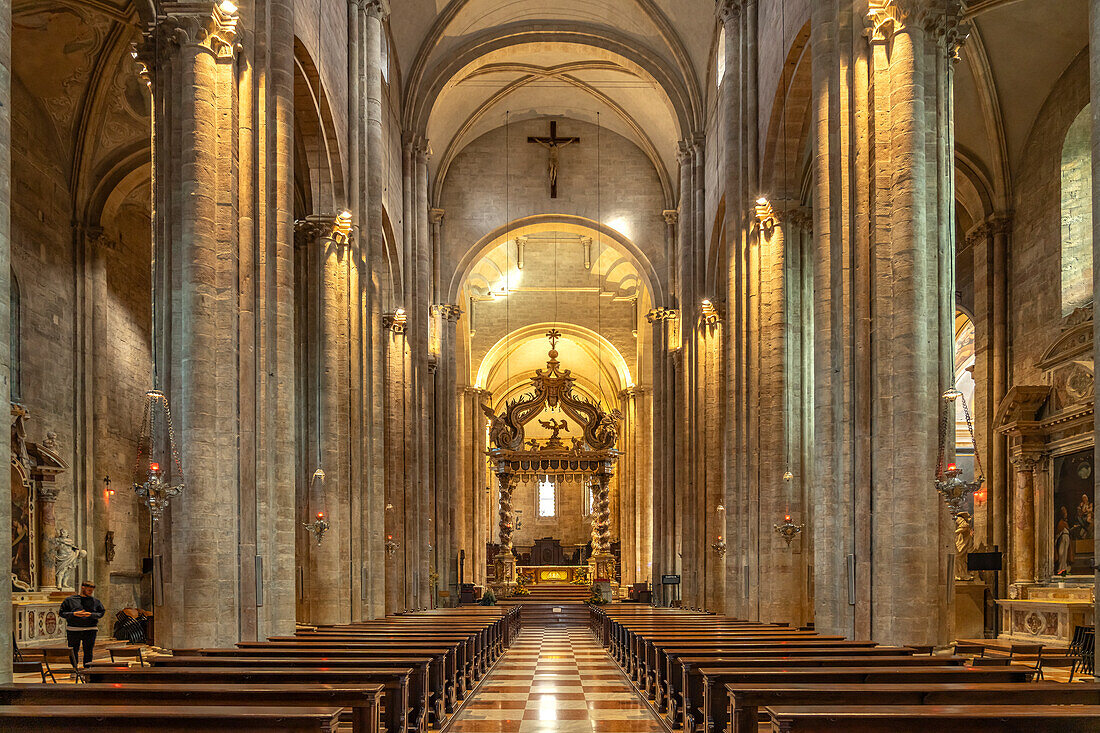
<point x="662" y="314"/>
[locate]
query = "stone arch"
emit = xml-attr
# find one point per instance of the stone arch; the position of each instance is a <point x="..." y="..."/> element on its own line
<point x="594" y="345"/>
<point x="789" y="125"/>
<point x="557" y="222"/>
<point x="318" y="167"/>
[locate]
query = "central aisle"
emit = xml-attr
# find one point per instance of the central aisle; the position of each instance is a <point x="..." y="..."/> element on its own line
<point x="555" y="680"/>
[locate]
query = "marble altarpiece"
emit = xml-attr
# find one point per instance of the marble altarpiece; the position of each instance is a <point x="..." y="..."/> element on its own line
<point x="44" y="556"/>
<point x="1049" y="429"/>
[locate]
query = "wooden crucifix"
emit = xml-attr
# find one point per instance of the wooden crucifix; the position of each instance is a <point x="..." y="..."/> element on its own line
<point x="553" y="144"/>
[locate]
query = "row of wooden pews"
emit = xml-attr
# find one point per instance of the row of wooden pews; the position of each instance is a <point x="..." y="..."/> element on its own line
<point x="400" y="674"/>
<point x="703" y="673"/>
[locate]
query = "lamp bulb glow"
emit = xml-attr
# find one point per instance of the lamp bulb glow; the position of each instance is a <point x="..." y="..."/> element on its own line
<point x="228" y="7"/>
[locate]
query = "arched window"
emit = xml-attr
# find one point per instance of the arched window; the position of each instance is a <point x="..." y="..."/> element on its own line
<point x="964" y="381"/>
<point x="547" y="499"/>
<point x="720" y="59"/>
<point x="16" y="356"/>
<point x="1077" y="214"/>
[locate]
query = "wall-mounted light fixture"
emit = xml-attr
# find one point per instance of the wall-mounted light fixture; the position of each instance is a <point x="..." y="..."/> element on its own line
<point x="709" y="312"/>
<point x="395" y="321"/>
<point x="765" y="215"/>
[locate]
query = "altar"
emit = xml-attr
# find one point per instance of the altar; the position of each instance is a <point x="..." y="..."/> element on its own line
<point x="1046" y="615"/>
<point x="553" y="574"/>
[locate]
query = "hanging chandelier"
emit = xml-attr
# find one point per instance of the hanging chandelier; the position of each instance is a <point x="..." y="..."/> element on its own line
<point x="320" y="524"/>
<point x="949" y="481"/>
<point x="155" y="483"/>
<point x="788" y="530"/>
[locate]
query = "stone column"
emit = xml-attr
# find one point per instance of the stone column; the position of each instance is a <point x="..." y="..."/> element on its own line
<point x="883" y="241"/>
<point x="1023" y="521"/>
<point x="328" y="439"/>
<point x="195" y="210"/>
<point x="47" y="528"/>
<point x="602" y="562"/>
<point x="5" y="316"/>
<point x="375" y="14"/>
<point x="733" y="132"/>
<point x="448" y="484"/>
<point x="1094" y="89"/>
<point x="505" y="561"/>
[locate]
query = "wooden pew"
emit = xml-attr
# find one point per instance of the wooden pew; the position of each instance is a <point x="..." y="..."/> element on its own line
<point x="445" y="672"/>
<point x="746" y="701"/>
<point x="363" y="702"/>
<point x="924" y="718"/>
<point x="656" y="669"/>
<point x="432" y="684"/>
<point x="143" y="718"/>
<point x="447" y="660"/>
<point x="687" y="684"/>
<point x="715" y="696"/>
<point x="395" y="682"/>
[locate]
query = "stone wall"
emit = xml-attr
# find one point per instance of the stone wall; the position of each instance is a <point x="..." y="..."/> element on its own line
<point x="1035" y="269"/>
<point x="42" y="261"/>
<point x="478" y="197"/>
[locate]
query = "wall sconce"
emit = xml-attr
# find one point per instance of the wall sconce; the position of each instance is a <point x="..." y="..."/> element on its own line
<point x="765" y="215"/>
<point x="395" y="321"/>
<point x="107" y="490"/>
<point x="710" y="313"/>
<point x="719" y="547"/>
<point x="340" y="235"/>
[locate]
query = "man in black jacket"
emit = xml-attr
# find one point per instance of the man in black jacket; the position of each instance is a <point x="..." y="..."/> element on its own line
<point x="82" y="613"/>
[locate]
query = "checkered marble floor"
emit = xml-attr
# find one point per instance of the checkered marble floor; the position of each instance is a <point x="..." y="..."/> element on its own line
<point x="555" y="680"/>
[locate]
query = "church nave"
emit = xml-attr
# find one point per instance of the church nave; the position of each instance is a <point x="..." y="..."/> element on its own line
<point x="555" y="679"/>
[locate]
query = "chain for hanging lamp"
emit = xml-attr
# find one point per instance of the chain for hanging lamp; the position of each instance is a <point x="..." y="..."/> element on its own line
<point x="320" y="523"/>
<point x="949" y="482"/>
<point x="159" y="486"/>
<point x="788" y="530"/>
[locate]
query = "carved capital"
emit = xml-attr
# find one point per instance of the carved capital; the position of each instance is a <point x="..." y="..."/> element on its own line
<point x="671" y="216"/>
<point x="942" y="19"/>
<point x="422" y="148"/>
<point x="48" y="494"/>
<point x="684" y="151"/>
<point x="205" y="25"/>
<point x="376" y="8"/>
<point x="327" y="228"/>
<point x="436" y="216"/>
<point x="395" y="321"/>
<point x="448" y="311"/>
<point x="662" y="314"/>
<point x="729" y="11"/>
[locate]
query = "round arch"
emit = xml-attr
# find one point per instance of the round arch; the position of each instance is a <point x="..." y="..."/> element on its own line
<point x="562" y="223"/>
<point x="613" y="367"/>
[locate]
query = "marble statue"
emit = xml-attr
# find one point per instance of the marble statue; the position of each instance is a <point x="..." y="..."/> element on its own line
<point x="964" y="544"/>
<point x="65" y="557"/>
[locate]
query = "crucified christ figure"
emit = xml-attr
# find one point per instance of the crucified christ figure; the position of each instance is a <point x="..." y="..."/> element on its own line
<point x="553" y="145"/>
